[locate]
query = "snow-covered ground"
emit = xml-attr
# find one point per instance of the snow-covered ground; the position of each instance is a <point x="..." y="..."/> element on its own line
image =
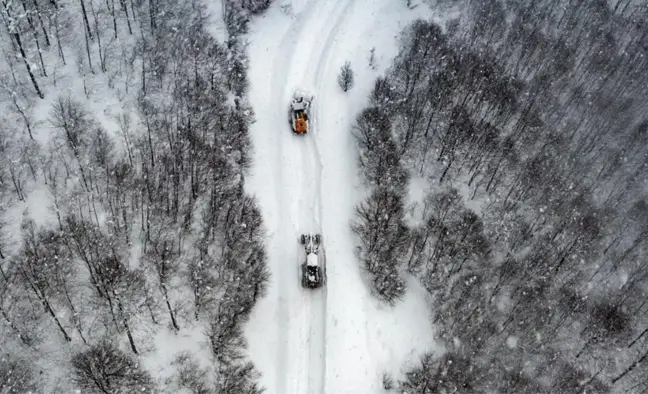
<point x="337" y="339"/>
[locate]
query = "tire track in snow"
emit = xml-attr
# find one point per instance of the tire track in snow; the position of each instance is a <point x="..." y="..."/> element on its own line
<point x="323" y="60"/>
<point x="342" y="9"/>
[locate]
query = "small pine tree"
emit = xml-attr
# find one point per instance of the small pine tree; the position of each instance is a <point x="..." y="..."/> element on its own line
<point x="346" y="78"/>
<point x="372" y="58"/>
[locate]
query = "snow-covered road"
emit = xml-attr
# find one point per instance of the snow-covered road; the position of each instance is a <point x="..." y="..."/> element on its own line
<point x="335" y="339"/>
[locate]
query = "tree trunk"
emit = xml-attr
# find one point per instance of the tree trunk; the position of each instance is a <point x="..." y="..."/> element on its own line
<point x="29" y="71"/>
<point x="171" y="313"/>
<point x="445" y="171"/>
<point x="85" y="19"/>
<point x="630" y="368"/>
<point x="58" y="41"/>
<point x="124" y="8"/>
<point x="150" y="143"/>
<point x="35" y="31"/>
<point x="587" y="344"/>
<point x="11" y="325"/>
<point x="16" y="183"/>
<point x="58" y="323"/>
<point x="152" y="14"/>
<point x="40" y="56"/>
<point x="131" y="341"/>
<point x="42" y="25"/>
<point x="111" y="7"/>
<point x="102" y="55"/>
<point x="75" y="315"/>
<point x="143" y="75"/>
<point x="87" y="44"/>
<point x="150" y="309"/>
<point x="644" y="332"/>
<point x="195" y="284"/>
<point x="27" y="14"/>
<point x="112" y="310"/>
<point x="24" y="116"/>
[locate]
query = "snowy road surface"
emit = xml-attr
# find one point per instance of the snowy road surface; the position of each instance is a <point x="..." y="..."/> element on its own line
<point x="335" y="339"/>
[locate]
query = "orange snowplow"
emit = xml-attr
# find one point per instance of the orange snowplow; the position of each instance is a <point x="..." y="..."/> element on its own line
<point x="301" y="122"/>
<point x="299" y="114"/>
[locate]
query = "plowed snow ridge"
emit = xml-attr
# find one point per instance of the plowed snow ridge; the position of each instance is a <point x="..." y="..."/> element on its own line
<point x="328" y="340"/>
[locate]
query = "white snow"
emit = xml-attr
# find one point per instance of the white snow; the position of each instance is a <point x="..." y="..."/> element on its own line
<point x="415" y="203"/>
<point x="337" y="339"/>
<point x="511" y="342"/>
<point x="166" y="345"/>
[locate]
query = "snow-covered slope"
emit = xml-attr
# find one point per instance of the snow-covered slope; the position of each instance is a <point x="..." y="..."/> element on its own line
<point x="336" y="339"/>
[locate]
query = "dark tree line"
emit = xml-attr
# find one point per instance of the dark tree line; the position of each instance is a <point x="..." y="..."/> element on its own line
<point x="379" y="223"/>
<point x="531" y="113"/>
<point x="150" y="226"/>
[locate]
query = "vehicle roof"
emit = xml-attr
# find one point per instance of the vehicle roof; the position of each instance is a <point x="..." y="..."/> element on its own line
<point x="311" y="260"/>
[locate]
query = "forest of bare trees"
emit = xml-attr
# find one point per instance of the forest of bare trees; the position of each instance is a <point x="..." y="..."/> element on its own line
<point x="527" y="120"/>
<point x="149" y="226"/>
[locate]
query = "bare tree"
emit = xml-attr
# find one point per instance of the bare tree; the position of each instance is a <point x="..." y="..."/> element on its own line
<point x="451" y="372"/>
<point x="379" y="158"/>
<point x="384" y="240"/>
<point x="104" y="369"/>
<point x="44" y="266"/>
<point x="70" y="118"/>
<point x="163" y="254"/>
<point x="16" y="162"/>
<point x="203" y="283"/>
<point x="17" y="376"/>
<point x="22" y="106"/>
<point x="119" y="289"/>
<point x="608" y="324"/>
<point x="123" y="290"/>
<point x="8" y="304"/>
<point x="191" y="376"/>
<point x="238" y="378"/>
<point x="346" y="78"/>
<point x="226" y="335"/>
<point x="14" y="24"/>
